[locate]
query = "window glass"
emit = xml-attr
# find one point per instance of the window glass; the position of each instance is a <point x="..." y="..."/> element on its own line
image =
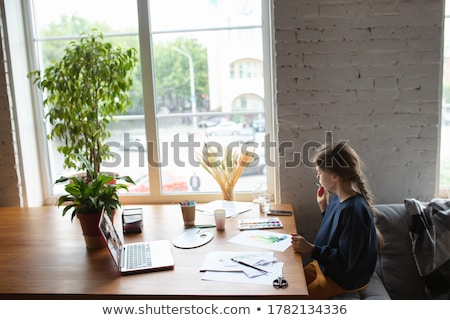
<point x="196" y="92"/>
<point x="208" y="84"/>
<point x="57" y="23"/>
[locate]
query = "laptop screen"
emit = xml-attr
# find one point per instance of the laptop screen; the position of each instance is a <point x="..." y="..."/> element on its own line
<point x="110" y="235"/>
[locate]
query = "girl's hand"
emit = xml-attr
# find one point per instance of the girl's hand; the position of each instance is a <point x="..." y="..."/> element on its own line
<point x="322" y="198"/>
<point x="300" y="244"/>
<point x="321" y="191"/>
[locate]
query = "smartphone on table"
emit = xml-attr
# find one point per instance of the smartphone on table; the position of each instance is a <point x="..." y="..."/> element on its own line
<point x="277" y="212"/>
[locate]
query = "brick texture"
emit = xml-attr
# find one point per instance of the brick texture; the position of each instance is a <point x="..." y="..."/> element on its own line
<point x="367" y="71"/>
<point x="9" y="180"/>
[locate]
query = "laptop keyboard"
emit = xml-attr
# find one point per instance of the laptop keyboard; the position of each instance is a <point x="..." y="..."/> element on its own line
<point x="138" y="255"/>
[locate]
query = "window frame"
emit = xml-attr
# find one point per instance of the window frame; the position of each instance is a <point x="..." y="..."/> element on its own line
<point x="150" y="116"/>
<point x="442" y="189"/>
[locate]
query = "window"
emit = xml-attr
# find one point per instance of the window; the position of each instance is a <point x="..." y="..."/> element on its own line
<point x="444" y="181"/>
<point x="202" y="74"/>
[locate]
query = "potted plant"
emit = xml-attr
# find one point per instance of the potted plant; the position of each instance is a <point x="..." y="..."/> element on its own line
<point x="83" y="91"/>
<point x="87" y="197"/>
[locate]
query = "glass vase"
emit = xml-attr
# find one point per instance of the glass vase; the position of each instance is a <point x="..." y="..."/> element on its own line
<point x="227" y="193"/>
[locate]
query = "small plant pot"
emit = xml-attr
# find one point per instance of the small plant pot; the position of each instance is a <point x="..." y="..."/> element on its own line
<point x="89" y="225"/>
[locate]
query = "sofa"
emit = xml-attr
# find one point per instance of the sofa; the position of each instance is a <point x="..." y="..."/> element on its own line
<point x="397" y="275"/>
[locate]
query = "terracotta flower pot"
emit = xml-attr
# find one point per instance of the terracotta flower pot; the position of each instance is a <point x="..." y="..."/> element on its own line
<point x="89" y="225"/>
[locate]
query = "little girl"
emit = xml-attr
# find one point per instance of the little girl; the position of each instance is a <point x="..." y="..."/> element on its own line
<point x="345" y="250"/>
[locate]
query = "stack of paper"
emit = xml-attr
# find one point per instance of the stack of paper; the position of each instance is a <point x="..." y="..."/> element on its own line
<point x="232" y="208"/>
<point x="219" y="266"/>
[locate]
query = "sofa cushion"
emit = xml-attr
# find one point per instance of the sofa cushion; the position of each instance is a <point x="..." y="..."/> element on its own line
<point x="374" y="291"/>
<point x="396" y="266"/>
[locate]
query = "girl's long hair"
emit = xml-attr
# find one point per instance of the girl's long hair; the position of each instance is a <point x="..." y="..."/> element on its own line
<point x="342" y="160"/>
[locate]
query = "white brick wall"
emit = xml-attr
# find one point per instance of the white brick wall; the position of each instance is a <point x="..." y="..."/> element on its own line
<point x="9" y="182"/>
<point x="369" y="72"/>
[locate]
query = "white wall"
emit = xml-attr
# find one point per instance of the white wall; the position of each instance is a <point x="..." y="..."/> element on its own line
<point x="367" y="71"/>
<point x="9" y="181"/>
<point x="22" y="127"/>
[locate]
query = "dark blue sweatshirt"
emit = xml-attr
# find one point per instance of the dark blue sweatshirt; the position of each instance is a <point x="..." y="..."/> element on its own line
<point x="346" y="245"/>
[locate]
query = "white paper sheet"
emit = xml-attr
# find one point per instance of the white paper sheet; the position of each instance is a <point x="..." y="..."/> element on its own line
<point x="222" y="261"/>
<point x="232" y="208"/>
<point x="241" y="277"/>
<point x="263" y="239"/>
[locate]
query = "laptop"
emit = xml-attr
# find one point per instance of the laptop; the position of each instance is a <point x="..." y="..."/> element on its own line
<point x="135" y="257"/>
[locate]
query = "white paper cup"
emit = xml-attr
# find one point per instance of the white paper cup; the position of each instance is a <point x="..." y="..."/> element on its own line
<point x="219" y="216"/>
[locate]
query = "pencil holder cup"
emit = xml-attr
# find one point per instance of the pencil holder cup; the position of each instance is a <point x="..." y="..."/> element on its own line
<point x="188" y="212"/>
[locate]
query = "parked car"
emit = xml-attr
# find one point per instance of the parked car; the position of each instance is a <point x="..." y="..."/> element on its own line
<point x="170" y="183"/>
<point x="211" y="122"/>
<point x="259" y="124"/>
<point x="224" y="128"/>
<point x="134" y="143"/>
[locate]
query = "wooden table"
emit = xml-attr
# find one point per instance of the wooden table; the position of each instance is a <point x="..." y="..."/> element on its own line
<point x="43" y="255"/>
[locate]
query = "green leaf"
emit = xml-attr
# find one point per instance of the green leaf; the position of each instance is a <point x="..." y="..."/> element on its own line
<point x="82" y="87"/>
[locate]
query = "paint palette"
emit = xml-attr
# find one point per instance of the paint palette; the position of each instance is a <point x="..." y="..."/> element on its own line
<point x="259" y="223"/>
